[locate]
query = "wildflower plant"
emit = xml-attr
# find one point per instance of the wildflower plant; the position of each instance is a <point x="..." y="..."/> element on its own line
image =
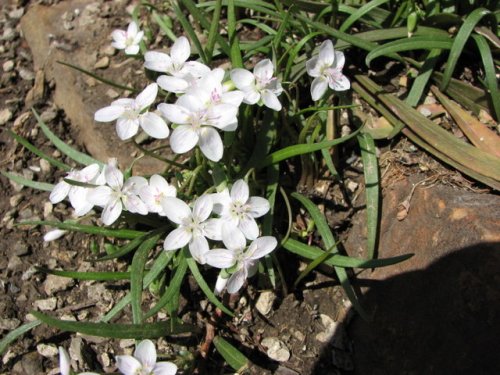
<point x="235" y="122"/>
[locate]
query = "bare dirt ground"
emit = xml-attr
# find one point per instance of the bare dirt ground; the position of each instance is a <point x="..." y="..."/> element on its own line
<point x="437" y="313"/>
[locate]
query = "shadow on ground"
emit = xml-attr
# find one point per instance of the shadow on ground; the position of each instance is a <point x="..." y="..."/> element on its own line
<point x="444" y="319"/>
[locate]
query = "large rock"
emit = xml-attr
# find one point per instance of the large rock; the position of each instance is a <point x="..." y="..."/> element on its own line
<point x="439" y="312"/>
<point x="73" y="32"/>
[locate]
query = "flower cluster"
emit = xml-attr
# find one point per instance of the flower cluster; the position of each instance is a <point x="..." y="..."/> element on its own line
<point x="143" y="362"/>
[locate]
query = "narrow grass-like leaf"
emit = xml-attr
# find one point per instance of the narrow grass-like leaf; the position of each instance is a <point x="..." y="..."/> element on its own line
<point x="195" y="271"/>
<point x="38" y="152"/>
<point x="97" y="276"/>
<point x="231" y="355"/>
<point x="99" y="78"/>
<point x="117" y="330"/>
<point x="128" y="234"/>
<point x="77" y="156"/>
<point x="172" y="289"/>
<point x="137" y="276"/>
<point x="479" y="134"/>
<point x="372" y="189"/>
<point x="158" y="267"/>
<point x="409" y="44"/>
<point x="337" y="260"/>
<point x="329" y="241"/>
<point x="267" y="224"/>
<point x="186" y="25"/>
<point x="163" y="25"/>
<point x="214" y="30"/>
<point x="311" y="266"/>
<point x="124" y="250"/>
<point x="236" y="60"/>
<point x="459" y="43"/>
<point x="16" y="333"/>
<point x="489" y="72"/>
<point x="366" y="8"/>
<point x="425" y="73"/>
<point x="26" y="182"/>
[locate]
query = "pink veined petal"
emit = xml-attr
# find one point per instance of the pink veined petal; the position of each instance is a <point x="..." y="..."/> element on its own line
<point x="165" y="368"/>
<point x="119" y="36"/>
<point x="126" y="128"/>
<point x="252" y="96"/>
<point x="270" y="100"/>
<point x="176" y="85"/>
<point x="261" y="247"/>
<point x="258" y="206"/>
<point x="154" y="125"/>
<point x="112" y="211"/>
<point x="110" y="113"/>
<point x="176" y="239"/>
<point x="202" y="208"/>
<point x="198" y="247"/>
<point x="242" y="78"/>
<point x="312" y="67"/>
<point x="128" y="365"/>
<point x="147" y="96"/>
<point x="191" y="102"/>
<point x="264" y="70"/>
<point x="340" y="83"/>
<point x="236" y="281"/>
<point x="180" y="51"/>
<point x="90" y="172"/>
<point x="183" y="139"/>
<point x="240" y="192"/>
<point x="77" y="196"/>
<point x="99" y="196"/>
<point x="195" y="68"/>
<point x="132" y="29"/>
<point x="114" y="177"/>
<point x="212" y="229"/>
<point x="326" y="53"/>
<point x="135" y="205"/>
<point x="175" y="113"/>
<point x="221" y="115"/>
<point x="148" y="196"/>
<point x="59" y="192"/>
<point x="138" y="37"/>
<point x="83" y="208"/>
<point x="233" y="97"/>
<point x="176" y="210"/>
<point x="249" y="227"/>
<point x="146" y="353"/>
<point x="157" y="61"/>
<point x="318" y="87"/>
<point x="123" y="102"/>
<point x="64" y="361"/>
<point x="221" y="201"/>
<point x="159" y="184"/>
<point x="233" y="238"/>
<point x="220" y="258"/>
<point x="339" y="60"/>
<point x="210" y="143"/>
<point x="134" y="184"/>
<point x="132" y="49"/>
<point x="119" y="44"/>
<point x="217" y="74"/>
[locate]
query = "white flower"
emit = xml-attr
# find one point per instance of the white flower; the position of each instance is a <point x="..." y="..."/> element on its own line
<point x="180" y="72"/>
<point x="130" y="114"/>
<point x="54" y="234"/>
<point x="77" y="194"/>
<point x="65" y="363"/>
<point x="128" y="40"/>
<point x="118" y="195"/>
<point x="236" y="253"/>
<point x="196" y="123"/>
<point x="259" y="86"/>
<point x="144" y="362"/>
<point x="326" y="68"/>
<point x="193" y="225"/>
<point x="239" y="209"/>
<point x="152" y="195"/>
<point x="211" y="83"/>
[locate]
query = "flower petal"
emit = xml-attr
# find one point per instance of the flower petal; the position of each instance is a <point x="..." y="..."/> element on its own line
<point x="252" y="96"/>
<point x="242" y="78"/>
<point x="176" y="239"/>
<point x="132" y="29"/>
<point x="340" y="83"/>
<point x="165" y="368"/>
<point x="64" y="361"/>
<point x="339" y="60"/>
<point x="135" y="205"/>
<point x="261" y="247"/>
<point x="145" y="352"/>
<point x="212" y="229"/>
<point x="249" y="227"/>
<point x="326" y="53"/>
<point x="175" y="113"/>
<point x="161" y="185"/>
<point x="180" y="51"/>
<point x="220" y="258"/>
<point x="193" y="103"/>
<point x="112" y="212"/>
<point x="147" y="96"/>
<point x="183" y="139"/>
<point x="128" y="365"/>
<point x="240" y="192"/>
<point x="210" y="143"/>
<point x="176" y="85"/>
<point x="233" y="97"/>
<point x="90" y="172"/>
<point x="132" y="50"/>
<point x="175" y="209"/>
<point x="195" y="68"/>
<point x="59" y="192"/>
<point x="318" y="87"/>
<point x="157" y="61"/>
<point x="154" y="125"/>
<point x="99" y="196"/>
<point x="233" y="238"/>
<point x="312" y="67"/>
<point x="264" y="70"/>
<point x="198" y="247"/>
<point x="126" y="128"/>
<point x="202" y="208"/>
<point x="220" y="284"/>
<point x="270" y="100"/>
<point x="52" y="236"/>
<point x="236" y="281"/>
<point x="258" y="206"/>
<point x="110" y="113"/>
<point x="221" y="115"/>
<point x="114" y="177"/>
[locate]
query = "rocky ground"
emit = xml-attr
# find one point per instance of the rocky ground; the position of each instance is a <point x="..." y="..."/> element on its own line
<point x="438" y="311"/>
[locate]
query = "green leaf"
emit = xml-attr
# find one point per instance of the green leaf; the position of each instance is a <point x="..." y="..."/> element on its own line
<point x="14" y="334"/>
<point x="77" y="156"/>
<point x="124" y="250"/>
<point x="236" y="59"/>
<point x="372" y="189"/>
<point x="214" y="30"/>
<point x="459" y="43"/>
<point x="26" y="182"/>
<point x="188" y="28"/>
<point x="97" y="276"/>
<point x="231" y="355"/>
<point x="424" y="74"/>
<point x="38" y="152"/>
<point x="137" y="276"/>
<point x="311" y="266"/>
<point x="117" y="330"/>
<point x="365" y="9"/>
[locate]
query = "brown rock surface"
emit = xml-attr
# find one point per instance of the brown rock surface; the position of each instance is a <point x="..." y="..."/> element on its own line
<point x="73" y="32"/>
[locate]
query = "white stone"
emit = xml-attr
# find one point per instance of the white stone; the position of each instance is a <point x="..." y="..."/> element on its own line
<point x="5" y="115"/>
<point x="47" y="351"/>
<point x="48" y="304"/>
<point x="265" y="302"/>
<point x="276" y="349"/>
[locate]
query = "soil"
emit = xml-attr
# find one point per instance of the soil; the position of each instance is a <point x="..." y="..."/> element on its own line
<point x="312" y="322"/>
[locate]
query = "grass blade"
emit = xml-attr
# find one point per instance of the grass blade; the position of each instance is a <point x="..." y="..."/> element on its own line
<point x="424" y="74"/>
<point x="214" y="30"/>
<point x="231" y="355"/>
<point x="190" y="31"/>
<point x="26" y="182"/>
<point x="236" y="59"/>
<point x="96" y="276"/>
<point x="365" y="9"/>
<point x="14" y="334"/>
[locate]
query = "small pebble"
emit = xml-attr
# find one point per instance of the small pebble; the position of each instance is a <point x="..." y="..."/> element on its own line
<point x="112" y="94"/>
<point x="26" y="74"/>
<point x="21" y="119"/>
<point x="48" y="304"/>
<point x="9" y="324"/>
<point x="276" y="349"/>
<point x="8" y="66"/>
<point x="47" y="351"/>
<point x="265" y="302"/>
<point x="48" y="115"/>
<point x="102" y="63"/>
<point x="5" y="115"/>
<point x="45" y="166"/>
